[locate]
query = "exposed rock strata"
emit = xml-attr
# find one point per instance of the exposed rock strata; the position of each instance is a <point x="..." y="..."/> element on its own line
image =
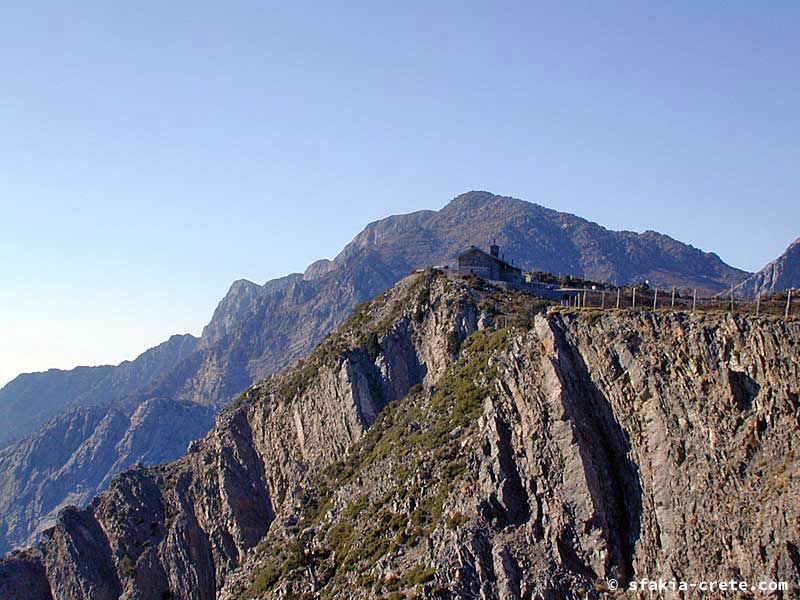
<point x="542" y="462"/>
<point x="257" y="330"/>
<point x="74" y="458"/>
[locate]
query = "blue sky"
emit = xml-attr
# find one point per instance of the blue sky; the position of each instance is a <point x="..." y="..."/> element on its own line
<point x="151" y="152"/>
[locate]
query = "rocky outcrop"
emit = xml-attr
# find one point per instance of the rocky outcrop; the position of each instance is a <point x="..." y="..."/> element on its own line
<point x="783" y="273"/>
<point x="706" y="410"/>
<point x="74" y="457"/>
<point x="25" y="578"/>
<point x="185" y="526"/>
<point x="233" y="308"/>
<point x="621" y="446"/>
<point x="419" y="449"/>
<point x="258" y="330"/>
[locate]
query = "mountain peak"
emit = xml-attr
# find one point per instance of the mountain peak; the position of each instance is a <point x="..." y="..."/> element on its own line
<point x="481" y="199"/>
<point x="473" y="197"/>
<point x="258" y="330"/>
<point x="782" y="273"/>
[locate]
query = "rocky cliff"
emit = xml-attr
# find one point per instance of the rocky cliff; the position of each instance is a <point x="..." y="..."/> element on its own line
<point x="75" y="456"/>
<point x="782" y="273"/>
<point x="257" y="330"/>
<point x="421" y="450"/>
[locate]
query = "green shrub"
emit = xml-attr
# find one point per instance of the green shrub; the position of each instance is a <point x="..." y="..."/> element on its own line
<point x="417" y="576"/>
<point x="457" y="520"/>
<point x="126" y="566"/>
<point x="591" y="315"/>
<point x="265" y="579"/>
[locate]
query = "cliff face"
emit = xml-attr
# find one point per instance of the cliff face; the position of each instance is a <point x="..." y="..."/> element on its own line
<point x="418" y="448"/>
<point x="552" y="460"/>
<point x="258" y="330"/>
<point x="75" y="456"/>
<point x="186" y="525"/>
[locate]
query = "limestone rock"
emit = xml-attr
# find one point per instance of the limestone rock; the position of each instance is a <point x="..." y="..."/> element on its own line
<point x="414" y="452"/>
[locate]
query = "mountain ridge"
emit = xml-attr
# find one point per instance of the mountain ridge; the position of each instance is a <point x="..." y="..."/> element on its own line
<point x="31" y="399"/>
<point x="778" y="275"/>
<point x="258" y="329"/>
<point x="414" y="451"/>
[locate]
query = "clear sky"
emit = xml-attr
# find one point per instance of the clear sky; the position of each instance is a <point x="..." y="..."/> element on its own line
<point x="153" y="152"/>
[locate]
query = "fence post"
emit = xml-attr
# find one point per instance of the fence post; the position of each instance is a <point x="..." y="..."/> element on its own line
<point x="733" y="307"/>
<point x="584" y="298"/>
<point x="758" y="302"/>
<point x="694" y="300"/>
<point x="617" y="297"/>
<point x="634" y="298"/>
<point x="655" y="298"/>
<point x="788" y="303"/>
<point x="672" y="302"/>
<point x="603" y="300"/>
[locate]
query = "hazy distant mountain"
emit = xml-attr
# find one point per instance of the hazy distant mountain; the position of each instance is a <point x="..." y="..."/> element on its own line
<point x="258" y="329"/>
<point x="31" y="399"/>
<point x="75" y="456"/>
<point x="781" y="274"/>
<point x="535" y="237"/>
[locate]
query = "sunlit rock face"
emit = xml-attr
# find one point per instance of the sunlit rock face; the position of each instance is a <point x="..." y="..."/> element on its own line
<point x="420" y="449"/>
<point x="783" y="273"/>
